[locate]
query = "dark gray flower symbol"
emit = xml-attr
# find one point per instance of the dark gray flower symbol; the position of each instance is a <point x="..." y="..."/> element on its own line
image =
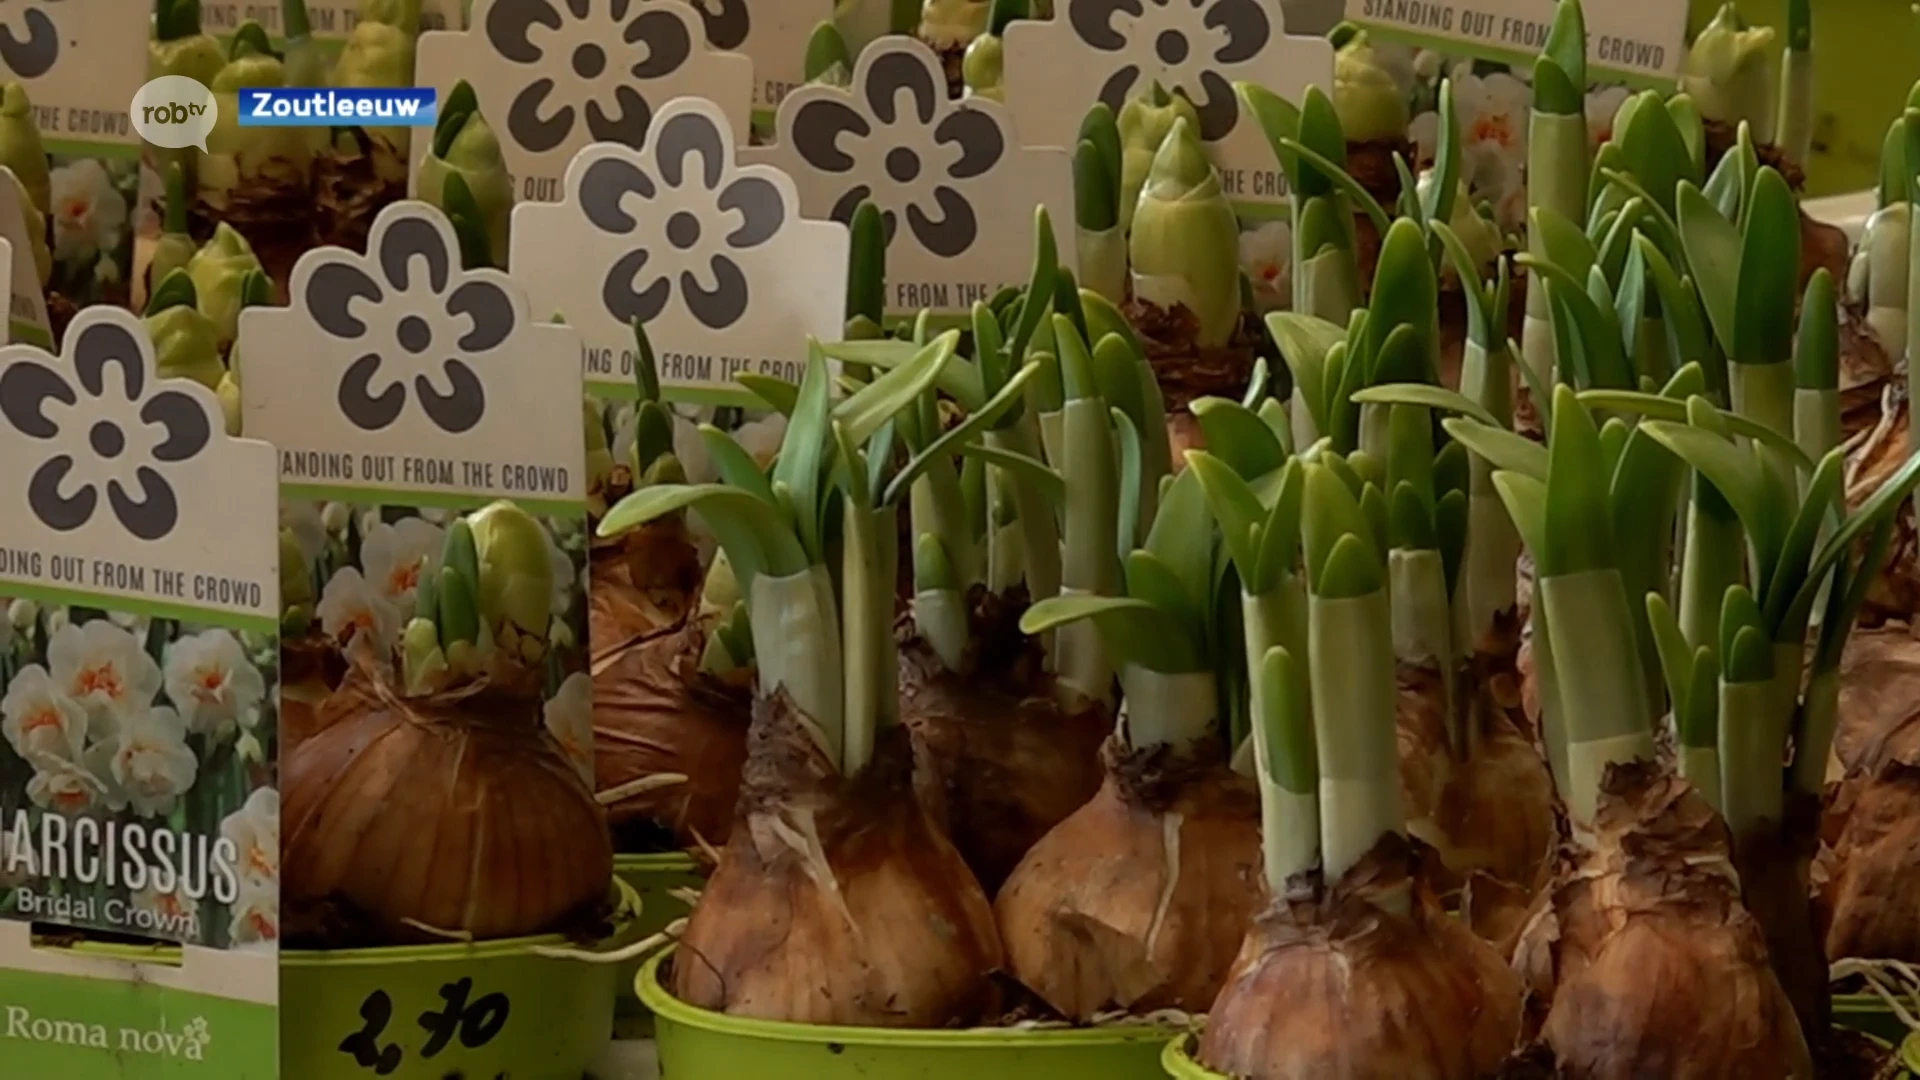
<point x="728" y="22"/>
<point x="33" y="56"/>
<point x="822" y="124"/>
<point x="409" y="332"/>
<point x="609" y="44"/>
<point x="1192" y="41"/>
<point x="132" y="428"/>
<point x="691" y="158"/>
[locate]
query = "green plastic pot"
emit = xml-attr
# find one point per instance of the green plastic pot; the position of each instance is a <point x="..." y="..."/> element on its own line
<point x="653" y="878"/>
<point x="532" y="1008"/>
<point x="696" y="1044"/>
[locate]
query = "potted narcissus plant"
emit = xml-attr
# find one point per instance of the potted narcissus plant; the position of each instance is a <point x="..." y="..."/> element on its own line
<point x="255" y="181"/>
<point x="365" y="168"/>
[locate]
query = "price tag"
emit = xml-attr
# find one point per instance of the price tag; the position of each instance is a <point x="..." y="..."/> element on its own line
<point x="553" y="77"/>
<point x="715" y="259"/>
<point x="470" y="1017"/>
<point x="954" y="184"/>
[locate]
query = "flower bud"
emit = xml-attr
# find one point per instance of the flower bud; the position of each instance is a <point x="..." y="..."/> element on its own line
<point x="219" y="272"/>
<point x="950" y="24"/>
<point x="185" y="346"/>
<point x="1144" y="123"/>
<point x="426" y="666"/>
<point x="23" y="613"/>
<point x="1185" y="243"/>
<point x="1476" y="233"/>
<point x="229" y="392"/>
<point x="334" y="517"/>
<point x="984" y="67"/>
<point x="474" y="156"/>
<point x="516" y="570"/>
<point x="1730" y="73"/>
<point x="20" y="146"/>
<point x="1369" y="101"/>
<point x="248" y="748"/>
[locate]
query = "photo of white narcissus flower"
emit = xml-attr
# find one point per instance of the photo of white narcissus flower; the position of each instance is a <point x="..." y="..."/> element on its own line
<point x="1493" y="113"/>
<point x="41" y="723"/>
<point x="256" y="914"/>
<point x="350" y="607"/>
<point x="391" y="558"/>
<point x="88" y="214"/>
<point x="1266" y="254"/>
<point x="104" y="669"/>
<point x="309" y="528"/>
<point x="65" y="788"/>
<point x="171" y="912"/>
<point x="1602" y="106"/>
<point x="216" y="689"/>
<point x="147" y="766"/>
<point x="569" y="716"/>
<point x="254" y="831"/>
<point x="762" y="437"/>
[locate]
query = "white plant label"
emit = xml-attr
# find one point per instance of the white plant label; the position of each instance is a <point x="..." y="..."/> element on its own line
<point x="953" y="183"/>
<point x="399" y="377"/>
<point x="127" y="484"/>
<point x="80" y="62"/>
<point x="714" y="259"/>
<point x="1642" y="40"/>
<point x="552" y="76"/>
<point x="27" y="319"/>
<point x="773" y="33"/>
<point x="330" y="21"/>
<point x="1114" y="50"/>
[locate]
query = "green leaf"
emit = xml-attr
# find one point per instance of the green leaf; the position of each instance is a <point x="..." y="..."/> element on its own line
<point x="1236" y="509"/>
<point x="1564" y="244"/>
<point x="1699" y="724"/>
<point x="1344" y="182"/>
<point x="1279" y="120"/>
<point x="1780" y="588"/>
<point x="773" y="545"/>
<point x="1428" y="396"/>
<point x="874" y="404"/>
<point x="1593" y="339"/>
<point x="1182" y="536"/>
<point x="1676" y="655"/>
<point x="1880" y="506"/>
<point x="975" y="425"/>
<point x="1579" y="526"/>
<point x="1329" y="514"/>
<point x="1661" y="407"/>
<point x="1444" y="183"/>
<point x="961" y="382"/>
<point x="853" y="475"/>
<point x="1280" y="539"/>
<point x="1713" y="251"/>
<point x="1816" y="355"/>
<point x="1567" y="42"/>
<point x="1731" y="470"/>
<point x="1499" y="447"/>
<point x="1149" y="578"/>
<point x="175" y="290"/>
<point x="1131" y="488"/>
<point x="779" y="395"/>
<point x="1044" y="480"/>
<point x="1481" y="317"/>
<point x="803" y="450"/>
<point x="1769" y="274"/>
<point x="1238" y="436"/>
<point x="1116" y="374"/>
<point x="1655" y="151"/>
<point x="1679" y="307"/>
<point x="1133" y="630"/>
<point x="1040" y="284"/>
<point x="1304" y="342"/>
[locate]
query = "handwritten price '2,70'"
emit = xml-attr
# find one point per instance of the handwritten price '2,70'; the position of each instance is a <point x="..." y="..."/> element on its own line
<point x="475" y="1023"/>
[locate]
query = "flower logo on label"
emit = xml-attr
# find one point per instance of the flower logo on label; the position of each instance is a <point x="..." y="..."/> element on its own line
<point x="116" y="442"/>
<point x="608" y="46"/>
<point x="34" y="55"/>
<point x="728" y="22"/>
<point x="1191" y="40"/>
<point x="713" y="214"/>
<point x="439" y="318"/>
<point x="925" y="154"/>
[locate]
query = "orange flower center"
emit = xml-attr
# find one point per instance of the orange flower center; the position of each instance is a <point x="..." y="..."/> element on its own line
<point x="48" y="717"/>
<point x="103" y="680"/>
<point x="258" y="862"/>
<point x="75" y="209"/>
<point x="72" y="798"/>
<point x="263" y="927"/>
<point x="209" y="684"/>
<point x="403" y="579"/>
<point x="1492" y="127"/>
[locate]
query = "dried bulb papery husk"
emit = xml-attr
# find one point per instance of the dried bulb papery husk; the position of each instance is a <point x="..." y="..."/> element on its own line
<point x="1879" y="693"/>
<point x="1872" y="893"/>
<point x="1487" y="807"/>
<point x="1139" y="900"/>
<point x="642" y="581"/>
<point x="456" y="814"/>
<point x="311" y="670"/>
<point x="836" y="900"/>
<point x="1366" y="978"/>
<point x="1006" y="762"/>
<point x="658" y="717"/>
<point x="1642" y="955"/>
<point x="1871" y="459"/>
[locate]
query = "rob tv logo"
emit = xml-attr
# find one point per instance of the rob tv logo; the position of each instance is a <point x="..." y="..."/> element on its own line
<point x="175" y="112"/>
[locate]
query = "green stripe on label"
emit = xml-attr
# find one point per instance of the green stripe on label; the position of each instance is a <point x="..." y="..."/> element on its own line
<point x="27" y="333"/>
<point x="688" y="395"/>
<point x="1518" y="58"/>
<point x="157" y="609"/>
<point x="82" y="148"/>
<point x="66" y="1025"/>
<point x="437" y="500"/>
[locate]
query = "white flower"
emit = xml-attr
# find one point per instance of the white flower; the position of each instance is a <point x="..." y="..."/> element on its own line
<point x="349" y="607"/>
<point x="172" y="911"/>
<point x="1493" y="113"/>
<point x="691" y="449"/>
<point x="1602" y="106"/>
<point x="569" y="716"/>
<point x="147" y="766"/>
<point x="132" y="624"/>
<point x="762" y="437"/>
<point x="1427" y="65"/>
<point x="256" y="914"/>
<point x="213" y="684"/>
<point x="249" y="748"/>
<point x="303" y="519"/>
<point x="88" y="214"/>
<point x="41" y="723"/>
<point x="23" y="613"/>
<point x="392" y="557"/>
<point x="1266" y="254"/>
<point x="57" y="619"/>
<point x="103" y="668"/>
<point x="254" y="830"/>
<point x="65" y="787"/>
<point x="334" y="518"/>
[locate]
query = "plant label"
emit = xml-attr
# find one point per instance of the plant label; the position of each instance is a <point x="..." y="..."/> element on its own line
<point x="26" y="304"/>
<point x="139" y="687"/>
<point x="80" y="62"/>
<point x="1636" y="41"/>
<point x="1113" y="51"/>
<point x="714" y="259"/>
<point x="402" y="392"/>
<point x="550" y="81"/>
<point x="955" y="187"/>
<point x="773" y="35"/>
<point x="331" y="22"/>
